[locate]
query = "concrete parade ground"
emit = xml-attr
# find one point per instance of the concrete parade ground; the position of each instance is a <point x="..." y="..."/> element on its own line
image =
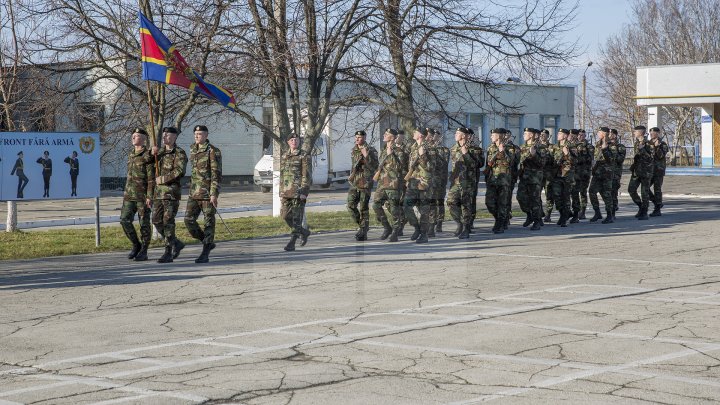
<point x="593" y="314"/>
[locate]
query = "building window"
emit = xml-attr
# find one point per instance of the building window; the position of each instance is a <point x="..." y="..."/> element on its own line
<point x="551" y="122"/>
<point x="514" y="123"/>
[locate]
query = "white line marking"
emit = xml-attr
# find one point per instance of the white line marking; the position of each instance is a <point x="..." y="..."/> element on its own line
<point x="121" y="400"/>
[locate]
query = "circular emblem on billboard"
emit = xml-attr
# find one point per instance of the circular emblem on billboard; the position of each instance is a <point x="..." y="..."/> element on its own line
<point x="87" y="144"/>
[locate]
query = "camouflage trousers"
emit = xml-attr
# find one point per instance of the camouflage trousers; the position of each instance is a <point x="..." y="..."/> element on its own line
<point x="420" y="199"/>
<point x="460" y="203"/>
<point x="616" y="190"/>
<point x="528" y="196"/>
<point x="582" y="184"/>
<point x="549" y="198"/>
<point x="392" y="199"/>
<point x="602" y="183"/>
<point x="656" y="188"/>
<point x="292" y="211"/>
<point x="358" y="203"/>
<point x="642" y="181"/>
<point x="192" y="212"/>
<point x="163" y="217"/>
<point x="496" y="199"/>
<point x="561" y="189"/>
<point x="437" y="206"/>
<point x="127" y="214"/>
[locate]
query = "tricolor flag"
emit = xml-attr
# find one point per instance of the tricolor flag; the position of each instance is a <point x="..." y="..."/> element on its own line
<point x="163" y="63"/>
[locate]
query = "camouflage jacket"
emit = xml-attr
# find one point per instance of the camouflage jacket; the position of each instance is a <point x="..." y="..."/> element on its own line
<point x="140" y="182"/>
<point x="621" y="154"/>
<point x="550" y="168"/>
<point x="513" y="149"/>
<point x="172" y="169"/>
<point x="565" y="163"/>
<point x="605" y="160"/>
<point x="46" y="166"/>
<point x="74" y="165"/>
<point x="441" y="167"/>
<point x="295" y="174"/>
<point x="498" y="165"/>
<point x="464" y="171"/>
<point x="532" y="165"/>
<point x="585" y="153"/>
<point x="363" y="168"/>
<point x="660" y="152"/>
<point x="206" y="164"/>
<point x="420" y="168"/>
<point x="392" y="168"/>
<point x="644" y="160"/>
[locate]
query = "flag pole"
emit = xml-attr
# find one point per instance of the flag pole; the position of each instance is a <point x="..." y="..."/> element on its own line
<point x="152" y="127"/>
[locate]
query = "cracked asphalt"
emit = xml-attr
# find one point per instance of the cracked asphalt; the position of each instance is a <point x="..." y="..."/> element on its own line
<point x="593" y="314"/>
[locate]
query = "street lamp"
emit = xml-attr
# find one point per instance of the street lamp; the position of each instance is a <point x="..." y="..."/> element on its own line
<point x="584" y="81"/>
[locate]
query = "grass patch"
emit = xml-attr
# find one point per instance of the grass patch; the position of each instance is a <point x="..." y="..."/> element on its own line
<point x="68" y="241"/>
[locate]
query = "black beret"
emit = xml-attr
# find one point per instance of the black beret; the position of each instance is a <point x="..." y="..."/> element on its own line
<point x="654" y="129"/>
<point x="563" y="130"/>
<point x="361" y="133"/>
<point x="537" y="131"/>
<point x="202" y="128"/>
<point x="423" y="131"/>
<point x="436" y="132"/>
<point x="574" y="131"/>
<point x="392" y="131"/>
<point x="501" y="131"/>
<point x="401" y="132"/>
<point x="471" y="131"/>
<point x="529" y="130"/>
<point x="614" y="131"/>
<point x="582" y="131"/>
<point x="171" y="130"/>
<point x="604" y="129"/>
<point x="640" y="128"/>
<point x="139" y="130"/>
<point x="464" y="130"/>
<point x="545" y="131"/>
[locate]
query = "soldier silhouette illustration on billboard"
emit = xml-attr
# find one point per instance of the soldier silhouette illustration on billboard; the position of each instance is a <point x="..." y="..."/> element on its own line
<point x="74" y="171"/>
<point x="46" y="163"/>
<point x="19" y="171"/>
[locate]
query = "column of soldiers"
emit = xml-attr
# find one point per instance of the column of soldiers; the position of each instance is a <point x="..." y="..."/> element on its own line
<point x="152" y="190"/>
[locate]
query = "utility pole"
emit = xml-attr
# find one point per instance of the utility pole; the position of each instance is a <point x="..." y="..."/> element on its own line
<point x="584" y="100"/>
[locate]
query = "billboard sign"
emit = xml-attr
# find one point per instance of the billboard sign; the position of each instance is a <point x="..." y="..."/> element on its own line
<point x="49" y="165"/>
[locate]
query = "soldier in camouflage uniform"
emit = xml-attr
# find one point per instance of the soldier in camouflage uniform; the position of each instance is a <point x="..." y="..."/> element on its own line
<point x="295" y="180"/>
<point x="642" y="172"/>
<point x="586" y="153"/>
<point x="419" y="186"/>
<point x="206" y="163"/>
<point x="173" y="161"/>
<point x="389" y="178"/>
<point x="548" y="173"/>
<point x="574" y="190"/>
<point x="532" y="162"/>
<point x="618" y="149"/>
<point x="565" y="158"/>
<point x="603" y="176"/>
<point x="661" y="150"/>
<point x="139" y="189"/>
<point x="406" y="144"/>
<point x="512" y="148"/>
<point x="497" y="178"/>
<point x="364" y="165"/>
<point x="437" y="216"/>
<point x="463" y="182"/>
<point x="476" y="150"/>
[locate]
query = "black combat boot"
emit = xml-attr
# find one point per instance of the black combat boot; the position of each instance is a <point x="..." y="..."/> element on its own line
<point x="656" y="212"/>
<point x="506" y="224"/>
<point x="563" y="219"/>
<point x="597" y="215"/>
<point x="134" y="251"/>
<point x="460" y="228"/>
<point x="393" y="236"/>
<point x="431" y="231"/>
<point x="167" y="257"/>
<point x="464" y="233"/>
<point x="438" y="226"/>
<point x="537" y="224"/>
<point x="362" y="235"/>
<point x="575" y="219"/>
<point x="528" y="221"/>
<point x="358" y="234"/>
<point x="291" y="244"/>
<point x="582" y="213"/>
<point x="423" y="237"/>
<point x="608" y="217"/>
<point x="306" y="233"/>
<point x="416" y="234"/>
<point x="639" y="213"/>
<point x="387" y="230"/>
<point x="499" y="226"/>
<point x="178" y="245"/>
<point x="547" y="216"/>
<point x="142" y="254"/>
<point x="643" y="214"/>
<point x="204" y="255"/>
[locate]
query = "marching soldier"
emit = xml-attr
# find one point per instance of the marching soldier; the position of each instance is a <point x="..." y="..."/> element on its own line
<point x="463" y="182"/>
<point x="74" y="172"/>
<point x="46" y="164"/>
<point x="661" y="150"/>
<point x="532" y="161"/>
<point x="498" y="176"/>
<point x="513" y="149"/>
<point x="565" y="158"/>
<point x="172" y="163"/>
<point x="477" y="151"/>
<point x="642" y="172"/>
<point x="586" y="153"/>
<point x="206" y="164"/>
<point x="295" y="180"/>
<point x="19" y="171"/>
<point x="406" y="144"/>
<point x="603" y="177"/>
<point x="139" y="189"/>
<point x="364" y="165"/>
<point x="389" y="179"/>
<point x="437" y="216"/>
<point x="548" y="173"/>
<point x="419" y="186"/>
<point x="618" y="148"/>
